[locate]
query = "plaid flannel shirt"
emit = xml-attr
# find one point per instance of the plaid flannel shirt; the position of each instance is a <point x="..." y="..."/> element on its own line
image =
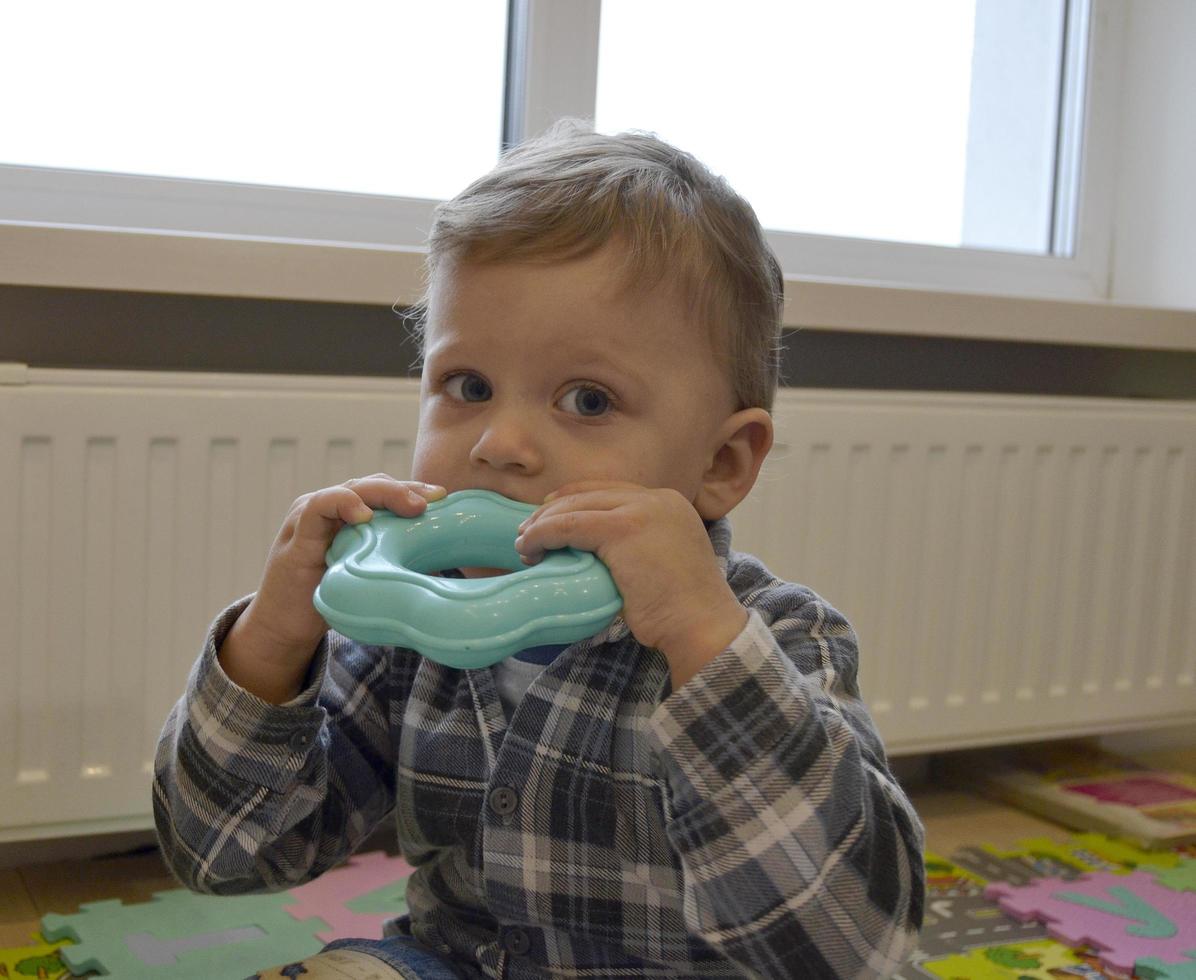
<point x="745" y="825"/>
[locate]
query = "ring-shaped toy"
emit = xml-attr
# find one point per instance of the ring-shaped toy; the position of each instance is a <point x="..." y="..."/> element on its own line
<point x="378" y="589"/>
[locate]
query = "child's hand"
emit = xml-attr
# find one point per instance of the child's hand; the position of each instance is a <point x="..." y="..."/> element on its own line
<point x="675" y="596"/>
<point x="281" y="628"/>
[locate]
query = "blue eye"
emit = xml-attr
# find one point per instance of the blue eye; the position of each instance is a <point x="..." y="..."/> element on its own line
<point x="467" y="387"/>
<point x="586" y="400"/>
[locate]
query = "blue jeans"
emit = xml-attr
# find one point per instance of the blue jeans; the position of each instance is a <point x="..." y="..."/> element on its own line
<point x="407" y="958"/>
<point x="406" y="954"/>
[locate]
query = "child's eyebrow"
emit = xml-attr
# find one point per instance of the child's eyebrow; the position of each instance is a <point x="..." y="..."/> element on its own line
<point x="449" y="348"/>
<point x="601" y="362"/>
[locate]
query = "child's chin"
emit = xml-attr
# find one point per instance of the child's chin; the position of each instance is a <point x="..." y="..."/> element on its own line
<point x="484" y="572"/>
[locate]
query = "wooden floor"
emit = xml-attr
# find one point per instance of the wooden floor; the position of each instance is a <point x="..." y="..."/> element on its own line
<point x="26" y="894"/>
<point x="952" y="819"/>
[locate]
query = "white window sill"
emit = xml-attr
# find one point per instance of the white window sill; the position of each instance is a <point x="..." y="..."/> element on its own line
<point x="96" y="258"/>
<point x="834" y="305"/>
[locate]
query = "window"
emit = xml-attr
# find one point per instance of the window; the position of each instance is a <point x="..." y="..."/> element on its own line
<point x="283" y="119"/>
<point x="933" y="121"/>
<point x="365" y="97"/>
<point x="935" y="142"/>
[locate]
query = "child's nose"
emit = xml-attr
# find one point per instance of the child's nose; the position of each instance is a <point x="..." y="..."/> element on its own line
<point x="508" y="442"/>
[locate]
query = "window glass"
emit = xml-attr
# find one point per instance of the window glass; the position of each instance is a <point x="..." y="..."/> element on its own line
<point x="362" y="95"/>
<point x="927" y="121"/>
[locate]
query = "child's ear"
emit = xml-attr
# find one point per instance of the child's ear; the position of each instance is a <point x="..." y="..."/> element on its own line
<point x="741" y="444"/>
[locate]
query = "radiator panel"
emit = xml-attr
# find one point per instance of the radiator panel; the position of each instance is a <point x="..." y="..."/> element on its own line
<point x="1015" y="567"/>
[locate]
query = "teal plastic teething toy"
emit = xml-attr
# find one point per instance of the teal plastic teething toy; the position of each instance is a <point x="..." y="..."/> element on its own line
<point x="377" y="588"/>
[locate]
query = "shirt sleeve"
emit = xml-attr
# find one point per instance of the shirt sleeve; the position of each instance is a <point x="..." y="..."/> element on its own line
<point x="250" y="796"/>
<point x="802" y="856"/>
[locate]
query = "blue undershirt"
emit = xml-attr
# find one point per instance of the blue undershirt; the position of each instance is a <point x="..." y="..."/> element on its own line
<point x="541" y="655"/>
<point x="515" y="674"/>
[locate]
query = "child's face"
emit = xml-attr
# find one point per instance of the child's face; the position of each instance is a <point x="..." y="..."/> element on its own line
<point x="539" y="375"/>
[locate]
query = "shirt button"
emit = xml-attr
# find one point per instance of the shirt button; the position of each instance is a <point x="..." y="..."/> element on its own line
<point x="299" y="741"/>
<point x="503" y="800"/>
<point x="516" y="941"/>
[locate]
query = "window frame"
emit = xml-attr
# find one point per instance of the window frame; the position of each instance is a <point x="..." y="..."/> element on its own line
<point x="371" y="248"/>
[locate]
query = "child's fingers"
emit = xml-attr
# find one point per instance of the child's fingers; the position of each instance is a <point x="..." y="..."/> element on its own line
<point x="354" y="502"/>
<point x="587" y="519"/>
<point x="407" y="498"/>
<point x="324" y="511"/>
<point x="585" y="530"/>
<point x="583" y="500"/>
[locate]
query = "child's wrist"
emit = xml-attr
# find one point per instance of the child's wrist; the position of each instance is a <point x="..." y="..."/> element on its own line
<point x="702" y="639"/>
<point x="263" y="663"/>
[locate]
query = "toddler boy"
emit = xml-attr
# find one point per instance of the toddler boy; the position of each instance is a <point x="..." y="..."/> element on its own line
<point x="697" y="791"/>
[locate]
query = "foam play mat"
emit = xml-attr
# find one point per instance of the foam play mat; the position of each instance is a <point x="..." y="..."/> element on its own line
<point x="1091" y="907"/>
<point x="181" y="934"/>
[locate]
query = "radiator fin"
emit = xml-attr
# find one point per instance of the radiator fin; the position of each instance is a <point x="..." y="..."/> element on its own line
<point x="31" y="666"/>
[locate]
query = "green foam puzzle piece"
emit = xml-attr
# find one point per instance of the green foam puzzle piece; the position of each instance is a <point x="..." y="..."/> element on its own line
<point x="1181" y="878"/>
<point x="1153" y="968"/>
<point x="381" y="901"/>
<point x="181" y="934"/>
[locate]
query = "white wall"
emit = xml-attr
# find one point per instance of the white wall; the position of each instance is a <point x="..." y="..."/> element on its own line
<point x="1154" y="246"/>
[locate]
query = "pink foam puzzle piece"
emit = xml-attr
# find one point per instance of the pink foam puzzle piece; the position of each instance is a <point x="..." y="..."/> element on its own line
<point x="334" y="890"/>
<point x="1125" y="917"/>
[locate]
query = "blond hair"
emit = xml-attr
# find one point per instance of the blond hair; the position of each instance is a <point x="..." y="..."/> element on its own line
<point x="570" y="191"/>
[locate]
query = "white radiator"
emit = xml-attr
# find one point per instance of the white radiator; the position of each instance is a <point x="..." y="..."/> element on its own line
<point x="1015" y="567"/>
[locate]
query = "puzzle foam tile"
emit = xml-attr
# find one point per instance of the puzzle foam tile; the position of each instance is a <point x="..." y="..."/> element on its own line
<point x="1123" y="853"/>
<point x="1043" y="959"/>
<point x="35" y="960"/>
<point x="943" y="875"/>
<point x="1180" y="878"/>
<point x="1061" y="860"/>
<point x="184" y="935"/>
<point x="1125" y="917"/>
<point x="355" y="898"/>
<point x="959" y="922"/>
<point x="995" y="865"/>
<point x="1152" y="968"/>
